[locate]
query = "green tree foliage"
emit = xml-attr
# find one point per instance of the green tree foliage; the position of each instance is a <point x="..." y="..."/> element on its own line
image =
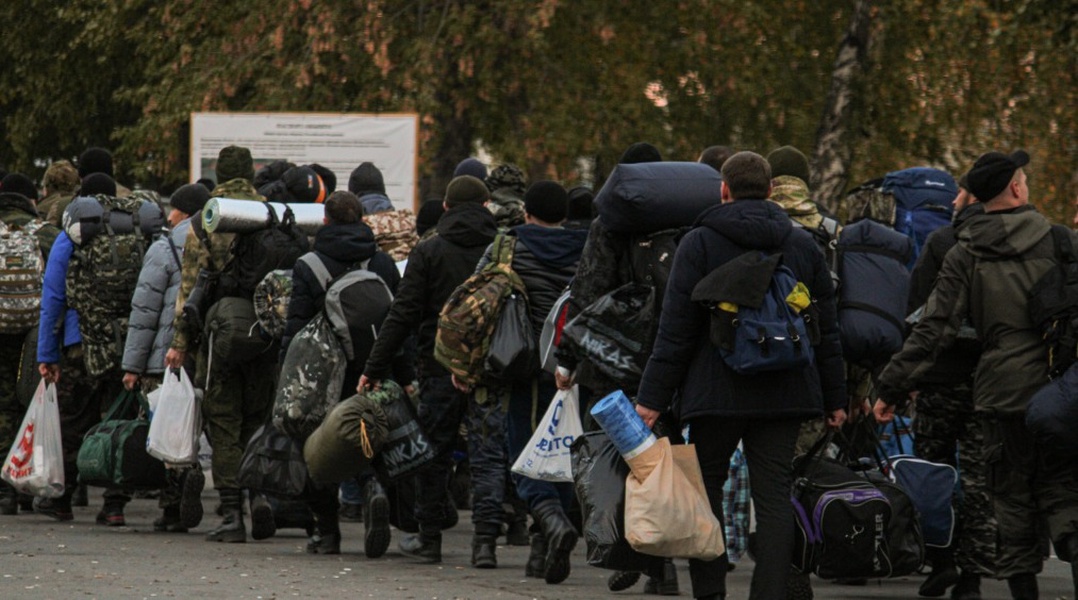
<point x="560" y="88"/>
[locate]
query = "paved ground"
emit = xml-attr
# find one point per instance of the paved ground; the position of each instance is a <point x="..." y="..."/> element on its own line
<point x="40" y="558"/>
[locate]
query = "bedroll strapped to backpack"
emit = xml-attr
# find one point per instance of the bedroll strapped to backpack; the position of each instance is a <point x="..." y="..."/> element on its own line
<point x="255" y="254"/>
<point x="924" y="202"/>
<point x="873" y="291"/>
<point x="21" y="270"/>
<point x="468" y="318"/>
<point x="101" y="279"/>
<point x="1053" y="305"/>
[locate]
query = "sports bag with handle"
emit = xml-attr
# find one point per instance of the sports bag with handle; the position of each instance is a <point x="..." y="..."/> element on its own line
<point x="113" y="453"/>
<point x="21" y="269"/>
<point x="35" y="463"/>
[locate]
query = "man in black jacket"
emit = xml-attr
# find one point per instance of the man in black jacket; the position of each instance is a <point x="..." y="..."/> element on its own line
<point x="435" y="268"/>
<point x="342" y="245"/>
<point x="722" y="407"/>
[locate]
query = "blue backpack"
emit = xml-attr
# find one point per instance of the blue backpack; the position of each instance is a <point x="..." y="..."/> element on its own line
<point x="924" y="202"/>
<point x="755" y="327"/>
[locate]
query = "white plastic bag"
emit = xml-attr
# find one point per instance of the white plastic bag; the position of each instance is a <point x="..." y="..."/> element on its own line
<point x="546" y="457"/>
<point x="176" y="424"/>
<point x="35" y="464"/>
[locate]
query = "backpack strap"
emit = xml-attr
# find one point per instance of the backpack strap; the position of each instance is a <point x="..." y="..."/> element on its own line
<point x="1064" y="249"/>
<point x="321" y="273"/>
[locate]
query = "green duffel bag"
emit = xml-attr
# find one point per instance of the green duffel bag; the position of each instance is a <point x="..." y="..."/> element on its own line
<point x="346" y="441"/>
<point x="113" y="453"/>
<point x="233" y="331"/>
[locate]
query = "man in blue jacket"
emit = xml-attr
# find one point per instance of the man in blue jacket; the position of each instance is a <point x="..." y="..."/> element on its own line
<point x="722" y="407"/>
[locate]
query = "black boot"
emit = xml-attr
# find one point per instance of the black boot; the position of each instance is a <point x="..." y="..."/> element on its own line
<point x="326" y="538"/>
<point x="231" y="528"/>
<point x="516" y="522"/>
<point x="967" y="588"/>
<point x="798" y="586"/>
<point x="427" y="547"/>
<point x="1023" y="587"/>
<point x="663" y="583"/>
<point x="536" y="566"/>
<point x="560" y="537"/>
<point x="484" y="545"/>
<point x="9" y="499"/>
<point x="622" y="580"/>
<point x="376" y="520"/>
<point x="944" y="574"/>
<point x="192" y="481"/>
<point x="262" y="524"/>
<point x="81" y="497"/>
<point x="169" y="521"/>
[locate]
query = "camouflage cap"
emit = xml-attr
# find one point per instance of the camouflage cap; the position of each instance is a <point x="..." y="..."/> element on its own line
<point x="62" y="177"/>
<point x="507" y="176"/>
<point x="235" y="162"/>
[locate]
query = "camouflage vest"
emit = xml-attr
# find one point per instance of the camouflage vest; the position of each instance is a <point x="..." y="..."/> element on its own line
<point x="101" y="280"/>
<point x="468" y="318"/>
<point x="21" y="270"/>
<point x="394" y="230"/>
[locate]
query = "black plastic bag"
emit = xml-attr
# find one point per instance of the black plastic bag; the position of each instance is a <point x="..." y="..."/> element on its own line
<point x="512" y="355"/>
<point x="599" y="475"/>
<point x="273" y="464"/>
<point x="615" y="333"/>
<point x="406" y="448"/>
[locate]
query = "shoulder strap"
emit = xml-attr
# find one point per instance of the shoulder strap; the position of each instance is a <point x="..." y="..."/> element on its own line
<point x="318" y="267"/>
<point x="172" y="247"/>
<point x="1061" y="239"/>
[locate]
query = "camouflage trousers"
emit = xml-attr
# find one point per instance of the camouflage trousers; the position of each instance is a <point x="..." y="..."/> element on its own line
<point x="11" y="410"/>
<point x="1030" y="485"/>
<point x="945" y="424"/>
<point x="238" y="400"/>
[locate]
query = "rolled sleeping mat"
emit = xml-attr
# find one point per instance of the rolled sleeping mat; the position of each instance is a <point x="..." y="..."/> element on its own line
<point x="626" y="430"/>
<point x="84" y="218"/>
<point x="228" y="215"/>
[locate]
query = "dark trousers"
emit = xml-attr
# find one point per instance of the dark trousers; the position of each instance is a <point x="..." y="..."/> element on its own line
<point x="527" y="404"/>
<point x="769" y="450"/>
<point x="441" y="410"/>
<point x="237" y="401"/>
<point x="11" y="410"/>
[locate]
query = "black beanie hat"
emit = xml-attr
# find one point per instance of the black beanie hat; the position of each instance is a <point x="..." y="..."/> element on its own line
<point x="640" y="152"/>
<point x="366" y="179"/>
<point x="234" y="162"/>
<point x="17" y="183"/>
<point x="466" y="189"/>
<point x="581" y="203"/>
<point x="95" y="160"/>
<point x="97" y="183"/>
<point x="428" y="215"/>
<point x="547" y="201"/>
<point x="329" y="178"/>
<point x="992" y="173"/>
<point x="190" y="198"/>
<point x="304" y="185"/>
<point x="788" y="160"/>
<point x="471" y="166"/>
<point x="207" y="183"/>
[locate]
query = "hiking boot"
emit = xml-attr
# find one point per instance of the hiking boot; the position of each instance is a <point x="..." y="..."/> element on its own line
<point x="111" y="516"/>
<point x="425" y="547"/>
<point x="231" y="529"/>
<point x="622" y="580"/>
<point x="666" y="585"/>
<point x="9" y="500"/>
<point x="57" y="508"/>
<point x="351" y="513"/>
<point x="190" y="509"/>
<point x="262" y="524"/>
<point x="169" y="521"/>
<point x="516" y="534"/>
<point x="536" y="565"/>
<point x="1023" y="587"/>
<point x="81" y="497"/>
<point x="376" y="533"/>
<point x="483" y="551"/>
<point x="937" y="582"/>
<point x="26" y="502"/>
<point x="798" y="586"/>
<point x="967" y="588"/>
<point x="328" y="543"/>
<point x="561" y="539"/>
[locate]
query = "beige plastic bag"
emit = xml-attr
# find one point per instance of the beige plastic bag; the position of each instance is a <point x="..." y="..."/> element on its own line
<point x="668" y="514"/>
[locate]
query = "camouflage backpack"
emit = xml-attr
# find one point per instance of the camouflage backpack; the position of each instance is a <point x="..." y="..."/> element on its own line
<point x="312" y="376"/>
<point x="468" y="318"/>
<point x="271" y="297"/>
<point x="21" y="269"/>
<point x="394" y="230"/>
<point x="101" y="280"/>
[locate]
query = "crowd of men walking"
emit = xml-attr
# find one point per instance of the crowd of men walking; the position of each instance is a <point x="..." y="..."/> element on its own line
<point x="970" y="362"/>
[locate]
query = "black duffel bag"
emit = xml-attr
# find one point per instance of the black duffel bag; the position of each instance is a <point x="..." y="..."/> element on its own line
<point x="273" y="464"/>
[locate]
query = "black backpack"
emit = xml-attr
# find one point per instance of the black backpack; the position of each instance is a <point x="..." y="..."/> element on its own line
<point x="356" y="303"/>
<point x="255" y="254"/>
<point x="650" y="258"/>
<point x="1053" y="305"/>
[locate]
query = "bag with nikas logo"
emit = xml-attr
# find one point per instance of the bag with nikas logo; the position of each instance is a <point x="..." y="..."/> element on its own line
<point x="35" y="464"/>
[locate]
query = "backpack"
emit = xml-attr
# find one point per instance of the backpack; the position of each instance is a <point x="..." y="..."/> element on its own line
<point x="21" y="270"/>
<point x="254" y="254"/>
<point x="826" y="237"/>
<point x="271" y="298"/>
<point x="756" y="303"/>
<point x="1053" y="305"/>
<point x="471" y="313"/>
<point x="356" y="304"/>
<point x="650" y="257"/>
<point x="924" y="202"/>
<point x="101" y="280"/>
<point x="875" y="284"/>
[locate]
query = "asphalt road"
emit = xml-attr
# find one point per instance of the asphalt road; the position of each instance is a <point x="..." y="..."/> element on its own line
<point x="43" y="559"/>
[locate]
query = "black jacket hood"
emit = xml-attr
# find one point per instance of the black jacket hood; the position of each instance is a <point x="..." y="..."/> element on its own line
<point x="346" y="243"/>
<point x="553" y="246"/>
<point x="11" y="200"/>
<point x="751" y="224"/>
<point x="468" y="225"/>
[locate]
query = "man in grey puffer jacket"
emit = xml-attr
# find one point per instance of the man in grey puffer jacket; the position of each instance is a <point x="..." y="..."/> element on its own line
<point x="149" y="335"/>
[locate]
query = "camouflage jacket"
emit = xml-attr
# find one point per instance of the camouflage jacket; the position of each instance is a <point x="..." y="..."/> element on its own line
<point x="197" y="256"/>
<point x="394" y="231"/>
<point x="18" y="211"/>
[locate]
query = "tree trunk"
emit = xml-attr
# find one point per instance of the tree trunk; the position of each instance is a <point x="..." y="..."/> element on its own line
<point x="831" y="157"/>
